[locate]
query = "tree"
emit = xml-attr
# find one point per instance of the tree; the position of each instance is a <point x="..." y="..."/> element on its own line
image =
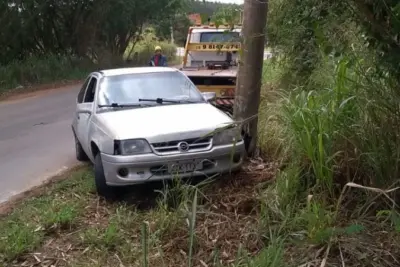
<point x="94" y="29"/>
<point x="248" y="87"/>
<point x="229" y="14"/>
<point x="180" y="25"/>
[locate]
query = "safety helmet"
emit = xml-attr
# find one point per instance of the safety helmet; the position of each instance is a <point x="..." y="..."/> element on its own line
<point x="157" y="48"/>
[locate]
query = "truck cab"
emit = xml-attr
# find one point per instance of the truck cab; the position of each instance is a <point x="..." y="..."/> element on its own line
<point x="211" y="59"/>
<point x="211" y="35"/>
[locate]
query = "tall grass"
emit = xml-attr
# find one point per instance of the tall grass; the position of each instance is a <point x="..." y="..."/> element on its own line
<point x="333" y="128"/>
<point x="186" y="204"/>
<point x="342" y="132"/>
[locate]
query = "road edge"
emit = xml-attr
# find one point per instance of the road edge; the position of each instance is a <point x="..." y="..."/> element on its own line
<point x="7" y="206"/>
<point x="29" y="91"/>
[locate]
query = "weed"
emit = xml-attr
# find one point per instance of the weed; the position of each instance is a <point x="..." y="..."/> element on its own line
<point x="271" y="256"/>
<point x="27" y="226"/>
<point x="17" y="238"/>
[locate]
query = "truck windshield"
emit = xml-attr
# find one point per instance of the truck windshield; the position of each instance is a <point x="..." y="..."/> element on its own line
<point x="219" y="37"/>
<point x="129" y="88"/>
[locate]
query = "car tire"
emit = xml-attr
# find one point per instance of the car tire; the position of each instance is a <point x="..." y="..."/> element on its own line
<point x="103" y="190"/>
<point x="80" y="153"/>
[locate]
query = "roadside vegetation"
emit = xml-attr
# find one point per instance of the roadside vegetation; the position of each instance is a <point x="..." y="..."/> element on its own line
<point x="56" y="41"/>
<point x="323" y="191"/>
<point x="329" y="118"/>
<point x="201" y="223"/>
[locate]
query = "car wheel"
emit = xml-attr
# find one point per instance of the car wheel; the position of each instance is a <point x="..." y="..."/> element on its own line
<point x="80" y="153"/>
<point x="104" y="190"/>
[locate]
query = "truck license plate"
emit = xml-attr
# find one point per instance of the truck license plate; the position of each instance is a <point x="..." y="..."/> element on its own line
<point x="182" y="167"/>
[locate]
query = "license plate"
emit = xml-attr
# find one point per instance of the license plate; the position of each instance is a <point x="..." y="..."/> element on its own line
<point x="181" y="167"/>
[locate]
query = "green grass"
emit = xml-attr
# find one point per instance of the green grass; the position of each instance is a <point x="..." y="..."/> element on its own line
<point x="181" y="225"/>
<point x="250" y="220"/>
<point x="58" y="210"/>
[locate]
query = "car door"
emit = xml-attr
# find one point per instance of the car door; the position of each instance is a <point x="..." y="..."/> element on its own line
<point x="84" y="114"/>
<point x="79" y="100"/>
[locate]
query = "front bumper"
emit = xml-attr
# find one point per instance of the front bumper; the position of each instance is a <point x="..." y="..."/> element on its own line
<point x="137" y="169"/>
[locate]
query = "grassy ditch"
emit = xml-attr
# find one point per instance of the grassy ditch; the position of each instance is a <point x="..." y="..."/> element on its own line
<point x="180" y="224"/>
<point x="255" y="218"/>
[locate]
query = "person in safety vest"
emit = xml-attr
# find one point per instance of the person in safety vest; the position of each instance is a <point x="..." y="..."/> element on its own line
<point x="158" y="59"/>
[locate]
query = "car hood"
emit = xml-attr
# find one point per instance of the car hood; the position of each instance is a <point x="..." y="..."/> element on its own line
<point x="163" y="123"/>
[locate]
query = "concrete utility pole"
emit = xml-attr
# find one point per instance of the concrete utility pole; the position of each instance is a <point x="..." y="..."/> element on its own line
<point x="172" y="35"/>
<point x="248" y="87"/>
<point x="171" y="28"/>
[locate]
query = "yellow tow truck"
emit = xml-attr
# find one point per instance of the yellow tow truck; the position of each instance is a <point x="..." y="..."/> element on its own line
<point x="211" y="61"/>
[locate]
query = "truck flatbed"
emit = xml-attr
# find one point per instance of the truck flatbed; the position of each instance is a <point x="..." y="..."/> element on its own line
<point x="203" y="72"/>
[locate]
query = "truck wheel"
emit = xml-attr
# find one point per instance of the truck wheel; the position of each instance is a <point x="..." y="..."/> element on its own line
<point x="79" y="152"/>
<point x="104" y="190"/>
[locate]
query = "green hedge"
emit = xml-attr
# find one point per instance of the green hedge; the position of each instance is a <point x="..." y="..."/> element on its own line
<point x="52" y="68"/>
<point x="39" y="70"/>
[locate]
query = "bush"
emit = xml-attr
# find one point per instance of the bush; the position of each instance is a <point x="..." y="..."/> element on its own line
<point x="144" y="50"/>
<point x="53" y="68"/>
<point x="38" y="70"/>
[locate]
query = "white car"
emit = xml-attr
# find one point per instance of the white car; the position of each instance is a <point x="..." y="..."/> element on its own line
<point x="151" y="123"/>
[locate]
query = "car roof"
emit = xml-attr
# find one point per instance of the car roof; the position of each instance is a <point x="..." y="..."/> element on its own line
<point x="135" y="70"/>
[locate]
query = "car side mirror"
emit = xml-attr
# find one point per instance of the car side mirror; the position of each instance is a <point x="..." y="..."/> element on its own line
<point x="209" y="96"/>
<point x="85" y="108"/>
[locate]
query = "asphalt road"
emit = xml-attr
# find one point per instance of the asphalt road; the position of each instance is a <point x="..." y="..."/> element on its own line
<point x="36" y="141"/>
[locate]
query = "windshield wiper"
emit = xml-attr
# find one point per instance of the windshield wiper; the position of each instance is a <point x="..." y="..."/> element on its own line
<point x="116" y="105"/>
<point x="163" y="100"/>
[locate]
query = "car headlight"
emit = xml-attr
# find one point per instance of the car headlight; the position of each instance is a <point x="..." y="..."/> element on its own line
<point x="227" y="136"/>
<point x="131" y="147"/>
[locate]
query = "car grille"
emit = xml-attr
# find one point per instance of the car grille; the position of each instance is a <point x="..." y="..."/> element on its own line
<point x="172" y="147"/>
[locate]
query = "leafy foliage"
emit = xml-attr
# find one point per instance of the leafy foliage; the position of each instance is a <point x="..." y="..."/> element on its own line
<point x="207" y="7"/>
<point x="180" y="24"/>
<point x="83" y="28"/>
<point x="229" y="14"/>
<point x="343" y="111"/>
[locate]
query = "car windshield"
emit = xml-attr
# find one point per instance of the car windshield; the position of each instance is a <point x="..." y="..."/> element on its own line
<point x="146" y="88"/>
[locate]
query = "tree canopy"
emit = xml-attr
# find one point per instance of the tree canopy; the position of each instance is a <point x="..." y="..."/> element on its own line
<point x="89" y="28"/>
<point x="77" y="27"/>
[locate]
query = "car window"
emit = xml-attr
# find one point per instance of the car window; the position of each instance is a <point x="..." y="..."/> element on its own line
<point x="217" y="37"/>
<point x="129" y="88"/>
<point x="91" y="90"/>
<point x="83" y="90"/>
